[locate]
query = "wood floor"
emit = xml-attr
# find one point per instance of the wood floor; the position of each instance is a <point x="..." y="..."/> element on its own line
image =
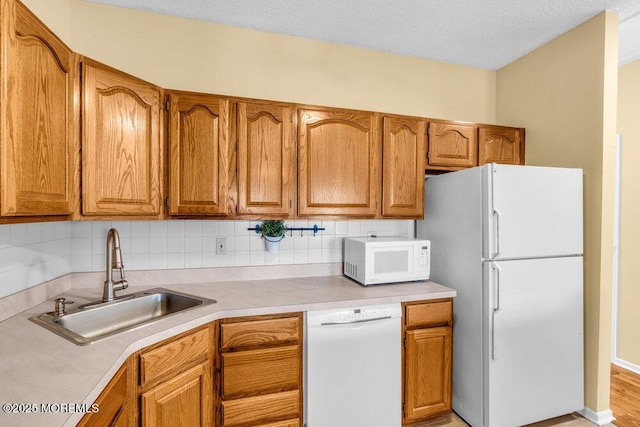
<point x="625" y="404"/>
<point x="625" y="397"/>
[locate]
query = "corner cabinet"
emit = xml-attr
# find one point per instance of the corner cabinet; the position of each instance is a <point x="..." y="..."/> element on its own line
<point x="403" y="153"/>
<point x="121" y="144"/>
<point x="176" y="380"/>
<point x="199" y="154"/>
<point x="37" y="110"/>
<point x="266" y="159"/>
<point x="339" y="162"/>
<point x="499" y="144"/>
<point x="427" y="357"/>
<point x="116" y="404"/>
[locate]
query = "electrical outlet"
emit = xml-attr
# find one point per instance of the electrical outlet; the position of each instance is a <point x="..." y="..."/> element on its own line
<point x="372" y="234"/>
<point x="221" y="246"/>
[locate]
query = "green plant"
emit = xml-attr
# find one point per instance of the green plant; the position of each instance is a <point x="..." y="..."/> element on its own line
<point x="273" y="228"/>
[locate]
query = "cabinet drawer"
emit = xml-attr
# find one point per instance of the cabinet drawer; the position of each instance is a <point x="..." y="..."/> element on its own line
<point x="261" y="409"/>
<point x="174" y="356"/>
<point x="260" y="332"/>
<point x="433" y="313"/>
<point x="260" y="371"/>
<point x="288" y="423"/>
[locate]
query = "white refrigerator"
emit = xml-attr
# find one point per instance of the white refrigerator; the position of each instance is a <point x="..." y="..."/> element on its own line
<point x="509" y="240"/>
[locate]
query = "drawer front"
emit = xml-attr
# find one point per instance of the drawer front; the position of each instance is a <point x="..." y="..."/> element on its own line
<point x="261" y="409"/>
<point x="288" y="423"/>
<point x="434" y="313"/>
<point x="260" y="371"/>
<point x="175" y="356"/>
<point x="260" y="332"/>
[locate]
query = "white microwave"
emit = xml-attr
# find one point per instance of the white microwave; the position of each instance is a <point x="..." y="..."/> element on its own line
<point x="376" y="260"/>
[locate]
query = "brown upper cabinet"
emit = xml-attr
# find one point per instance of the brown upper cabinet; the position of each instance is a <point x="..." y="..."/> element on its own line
<point x="499" y="144"/>
<point x="403" y="153"/>
<point x="121" y="143"/>
<point x="266" y="159"/>
<point x="199" y="154"/>
<point x="452" y="146"/>
<point x="37" y="141"/>
<point x="339" y="162"/>
<point x="455" y="146"/>
<point x="81" y="139"/>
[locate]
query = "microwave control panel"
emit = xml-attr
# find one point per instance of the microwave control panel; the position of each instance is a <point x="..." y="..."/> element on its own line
<point x="425" y="259"/>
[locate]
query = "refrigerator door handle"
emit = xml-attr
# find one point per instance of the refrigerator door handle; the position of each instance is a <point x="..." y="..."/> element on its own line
<point x="497" y="215"/>
<point x="496" y="307"/>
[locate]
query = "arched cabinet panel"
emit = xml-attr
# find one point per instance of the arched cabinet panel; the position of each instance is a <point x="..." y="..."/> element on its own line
<point x="121" y="145"/>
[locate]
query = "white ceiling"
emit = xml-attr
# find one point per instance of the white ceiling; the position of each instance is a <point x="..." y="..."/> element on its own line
<point x="480" y="33"/>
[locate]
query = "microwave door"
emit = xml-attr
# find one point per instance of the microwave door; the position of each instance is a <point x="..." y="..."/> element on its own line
<point x="390" y="264"/>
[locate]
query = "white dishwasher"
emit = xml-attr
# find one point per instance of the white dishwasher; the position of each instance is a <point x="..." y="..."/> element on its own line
<point x="353" y="367"/>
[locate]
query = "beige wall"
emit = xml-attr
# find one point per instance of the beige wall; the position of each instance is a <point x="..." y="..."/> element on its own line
<point x="629" y="291"/>
<point x="186" y="54"/>
<point x="565" y="94"/>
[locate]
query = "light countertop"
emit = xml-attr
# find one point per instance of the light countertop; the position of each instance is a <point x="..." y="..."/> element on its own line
<point x="39" y="367"/>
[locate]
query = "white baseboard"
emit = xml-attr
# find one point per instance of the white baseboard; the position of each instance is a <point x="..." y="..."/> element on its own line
<point x="627" y="365"/>
<point x="600" y="418"/>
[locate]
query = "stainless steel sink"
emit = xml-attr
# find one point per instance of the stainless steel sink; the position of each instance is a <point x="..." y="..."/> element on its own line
<point x="90" y="322"/>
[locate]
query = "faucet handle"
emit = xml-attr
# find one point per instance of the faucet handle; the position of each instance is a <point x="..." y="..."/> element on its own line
<point x="61" y="306"/>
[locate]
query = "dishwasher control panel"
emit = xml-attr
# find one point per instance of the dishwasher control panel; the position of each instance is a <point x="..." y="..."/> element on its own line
<point x="354" y="314"/>
<point x="359" y="314"/>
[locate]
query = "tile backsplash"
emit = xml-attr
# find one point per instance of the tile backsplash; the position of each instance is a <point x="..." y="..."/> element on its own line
<point x="34" y="253"/>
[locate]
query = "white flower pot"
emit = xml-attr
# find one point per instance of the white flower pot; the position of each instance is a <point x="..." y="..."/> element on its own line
<point x="272" y="243"/>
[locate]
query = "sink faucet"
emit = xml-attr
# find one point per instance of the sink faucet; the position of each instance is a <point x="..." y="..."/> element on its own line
<point x="114" y="260"/>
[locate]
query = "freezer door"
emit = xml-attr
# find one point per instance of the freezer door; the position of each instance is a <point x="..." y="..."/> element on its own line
<point x="533" y="358"/>
<point x="532" y="211"/>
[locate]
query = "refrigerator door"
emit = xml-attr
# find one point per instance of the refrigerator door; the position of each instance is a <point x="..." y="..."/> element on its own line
<point x="533" y="357"/>
<point x="532" y="211"/>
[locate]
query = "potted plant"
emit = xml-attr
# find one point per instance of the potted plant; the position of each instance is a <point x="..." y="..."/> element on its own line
<point x="272" y="232"/>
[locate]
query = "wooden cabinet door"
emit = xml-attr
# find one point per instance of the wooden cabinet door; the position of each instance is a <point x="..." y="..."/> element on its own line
<point x="37" y="142"/>
<point x="427" y="389"/>
<point x="403" y="153"/>
<point x="121" y="144"/>
<point x="115" y="403"/>
<point x="452" y="146"/>
<point x="184" y="400"/>
<point x="199" y="138"/>
<point x="338" y="163"/>
<point x="500" y="144"/>
<point x="266" y="159"/>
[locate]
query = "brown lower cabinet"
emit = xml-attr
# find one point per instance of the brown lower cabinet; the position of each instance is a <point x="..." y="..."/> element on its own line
<point x="116" y="403"/>
<point x="247" y="372"/>
<point x="261" y="371"/>
<point x="427" y="359"/>
<point x="184" y="400"/>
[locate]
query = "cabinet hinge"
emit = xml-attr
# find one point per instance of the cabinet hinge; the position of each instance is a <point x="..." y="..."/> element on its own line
<point x="166" y="202"/>
<point x="168" y="106"/>
<point x="404" y="409"/>
<point x="290" y="203"/>
<point x="428" y="131"/>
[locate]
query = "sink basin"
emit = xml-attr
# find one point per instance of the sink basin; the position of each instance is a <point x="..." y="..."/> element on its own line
<point x="90" y="322"/>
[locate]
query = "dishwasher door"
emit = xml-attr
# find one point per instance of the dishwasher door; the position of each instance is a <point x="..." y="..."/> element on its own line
<point x="353" y="367"/>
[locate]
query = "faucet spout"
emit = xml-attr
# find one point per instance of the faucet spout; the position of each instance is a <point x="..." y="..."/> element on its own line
<point x="114" y="260"/>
